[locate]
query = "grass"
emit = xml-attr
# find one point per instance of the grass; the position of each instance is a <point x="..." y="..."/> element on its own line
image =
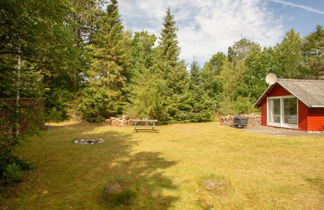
<point x="167" y="170"/>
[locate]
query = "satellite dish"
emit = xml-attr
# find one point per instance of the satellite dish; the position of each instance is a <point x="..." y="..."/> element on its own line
<point x="271" y="79"/>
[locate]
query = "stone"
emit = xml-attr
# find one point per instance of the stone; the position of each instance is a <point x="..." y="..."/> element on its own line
<point x="112" y="188"/>
<point x="210" y="184"/>
<point x="89" y="141"/>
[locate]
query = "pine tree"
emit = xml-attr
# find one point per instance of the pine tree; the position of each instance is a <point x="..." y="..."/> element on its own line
<point x="172" y="70"/>
<point x="195" y="79"/>
<point x="148" y="99"/>
<point x="108" y="74"/>
<point x="201" y="105"/>
<point x="142" y="56"/>
<point x="313" y="51"/>
<point x="169" y="67"/>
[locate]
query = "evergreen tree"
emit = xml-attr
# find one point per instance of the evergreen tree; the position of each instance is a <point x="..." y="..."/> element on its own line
<point x="195" y="78"/>
<point x="148" y="99"/>
<point x="197" y="102"/>
<point x="168" y="41"/>
<point x="172" y="70"/>
<point x="210" y="80"/>
<point x="313" y="52"/>
<point x="108" y="74"/>
<point x="142" y="55"/>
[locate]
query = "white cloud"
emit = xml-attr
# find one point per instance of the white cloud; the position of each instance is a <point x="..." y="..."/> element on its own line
<point x="206" y="26"/>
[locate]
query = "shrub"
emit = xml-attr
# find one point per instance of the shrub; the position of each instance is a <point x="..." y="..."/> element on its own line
<point x="12" y="173"/>
<point x="56" y="115"/>
<point x="11" y="167"/>
<point x="242" y="105"/>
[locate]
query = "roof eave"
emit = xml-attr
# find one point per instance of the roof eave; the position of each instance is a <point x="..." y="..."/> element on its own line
<point x="317" y="106"/>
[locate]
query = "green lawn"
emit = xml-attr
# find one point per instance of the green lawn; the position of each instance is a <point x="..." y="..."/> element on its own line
<point x="167" y="170"/>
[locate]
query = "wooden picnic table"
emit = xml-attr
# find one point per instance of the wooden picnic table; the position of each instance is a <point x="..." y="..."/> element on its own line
<point x="144" y="124"/>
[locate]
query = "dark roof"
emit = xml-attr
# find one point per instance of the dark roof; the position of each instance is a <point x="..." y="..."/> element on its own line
<point x="310" y="92"/>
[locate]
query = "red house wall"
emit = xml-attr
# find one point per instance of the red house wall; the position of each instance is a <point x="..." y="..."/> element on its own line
<point x="315" y="119"/>
<point x="264" y="112"/>
<point x="302" y="116"/>
<point x="277" y="90"/>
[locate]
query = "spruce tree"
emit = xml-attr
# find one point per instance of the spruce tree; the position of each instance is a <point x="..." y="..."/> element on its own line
<point x="172" y="70"/>
<point x="195" y="79"/>
<point x="313" y="51"/>
<point x="108" y="74"/>
<point x="201" y="105"/>
<point x="148" y="99"/>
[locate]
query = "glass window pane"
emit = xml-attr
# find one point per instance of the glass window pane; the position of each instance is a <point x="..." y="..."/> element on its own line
<point x="290" y="110"/>
<point x="274" y="110"/>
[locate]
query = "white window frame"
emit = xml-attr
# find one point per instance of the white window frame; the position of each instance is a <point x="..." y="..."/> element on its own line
<point x="281" y="124"/>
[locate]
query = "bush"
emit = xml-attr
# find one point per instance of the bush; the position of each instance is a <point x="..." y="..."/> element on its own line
<point x="56" y="115"/>
<point x="12" y="173"/>
<point x="242" y="105"/>
<point x="11" y="167"/>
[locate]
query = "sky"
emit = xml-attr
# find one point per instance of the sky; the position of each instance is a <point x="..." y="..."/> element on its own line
<point x="209" y="26"/>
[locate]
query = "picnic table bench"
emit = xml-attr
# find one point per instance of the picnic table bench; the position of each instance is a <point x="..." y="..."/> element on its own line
<point x="144" y="124"/>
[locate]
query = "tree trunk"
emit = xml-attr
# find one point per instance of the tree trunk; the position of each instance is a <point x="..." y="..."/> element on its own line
<point x="17" y="126"/>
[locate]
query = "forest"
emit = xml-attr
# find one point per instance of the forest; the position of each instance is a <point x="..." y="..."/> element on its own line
<point x="80" y="60"/>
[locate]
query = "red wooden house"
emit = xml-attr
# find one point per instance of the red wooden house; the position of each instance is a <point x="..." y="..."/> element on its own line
<point x="292" y="103"/>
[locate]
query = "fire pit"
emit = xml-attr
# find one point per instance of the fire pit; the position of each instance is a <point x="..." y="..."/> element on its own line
<point x="89" y="141"/>
<point x="240" y="121"/>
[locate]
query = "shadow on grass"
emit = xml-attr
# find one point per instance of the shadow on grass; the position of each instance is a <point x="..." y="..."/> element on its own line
<point x="317" y="183"/>
<point x="142" y="175"/>
<point x="64" y="168"/>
